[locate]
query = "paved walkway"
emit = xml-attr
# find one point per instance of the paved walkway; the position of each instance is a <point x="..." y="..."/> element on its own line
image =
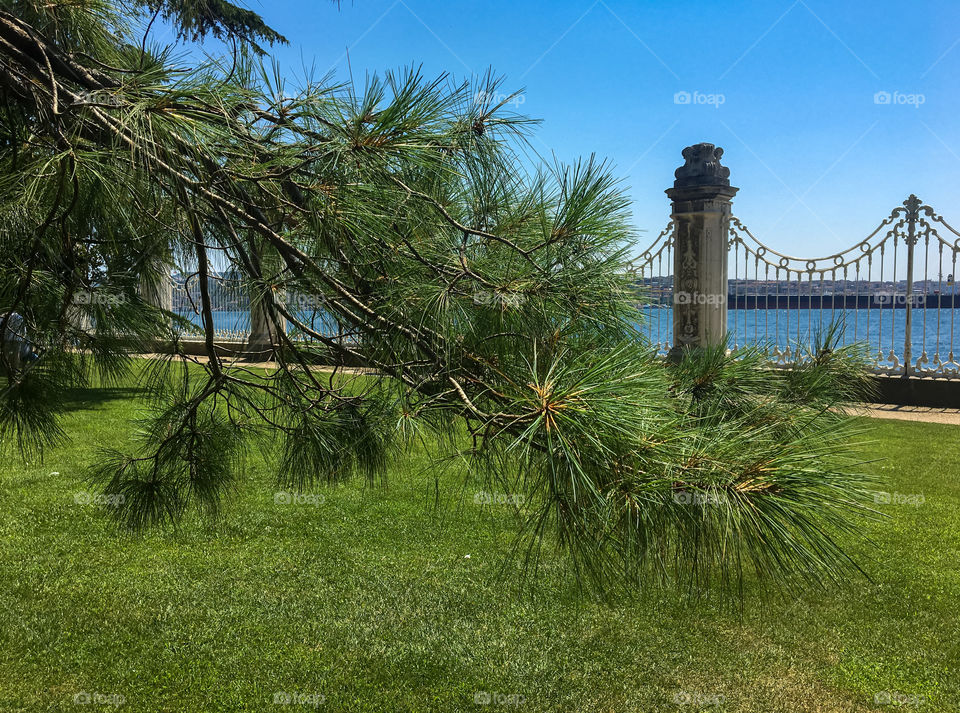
<point x="265" y="365"/>
<point x="926" y="414"/>
<point x="949" y="416"/>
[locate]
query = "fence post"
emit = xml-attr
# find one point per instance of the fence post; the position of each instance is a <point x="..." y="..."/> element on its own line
<point x="700" y="198"/>
<point x="264" y="337"/>
<point x="912" y="205"/>
<point x="160" y="293"/>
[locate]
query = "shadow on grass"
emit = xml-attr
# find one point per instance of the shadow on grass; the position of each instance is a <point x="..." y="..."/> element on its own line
<point x="80" y="399"/>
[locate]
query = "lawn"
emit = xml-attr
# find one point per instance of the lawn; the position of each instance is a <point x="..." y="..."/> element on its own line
<point x="372" y="598"/>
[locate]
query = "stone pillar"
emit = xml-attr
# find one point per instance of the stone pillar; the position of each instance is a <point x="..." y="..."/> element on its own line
<point x="264" y="334"/>
<point x="159" y="294"/>
<point x="700" y="197"/>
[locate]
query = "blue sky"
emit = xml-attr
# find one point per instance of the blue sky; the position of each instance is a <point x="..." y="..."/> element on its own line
<point x="786" y="87"/>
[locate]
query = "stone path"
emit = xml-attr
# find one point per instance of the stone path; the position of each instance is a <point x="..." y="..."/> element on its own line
<point x="927" y="414"/>
<point x="950" y="416"/>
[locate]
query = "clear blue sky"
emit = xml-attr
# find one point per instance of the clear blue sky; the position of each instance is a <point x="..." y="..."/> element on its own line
<point x="818" y="162"/>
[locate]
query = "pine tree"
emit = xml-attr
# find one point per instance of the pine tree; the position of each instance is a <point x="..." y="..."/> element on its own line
<point x="488" y="301"/>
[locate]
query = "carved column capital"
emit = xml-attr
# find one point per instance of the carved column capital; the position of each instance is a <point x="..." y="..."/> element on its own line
<point x="700" y="197"/>
<point x="702" y="167"/>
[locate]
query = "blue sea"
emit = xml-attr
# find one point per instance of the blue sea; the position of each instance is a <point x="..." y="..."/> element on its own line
<point x="884" y="331"/>
<point x="936" y="331"/>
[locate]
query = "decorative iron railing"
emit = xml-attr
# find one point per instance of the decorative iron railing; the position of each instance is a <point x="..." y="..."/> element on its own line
<point x="895" y="291"/>
<point x="231" y="310"/>
<point x="652" y="271"/>
<point x="230" y="306"/>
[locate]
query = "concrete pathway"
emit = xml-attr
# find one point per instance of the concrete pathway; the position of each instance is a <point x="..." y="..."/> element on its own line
<point x="950" y="416"/>
<point x="927" y="414"/>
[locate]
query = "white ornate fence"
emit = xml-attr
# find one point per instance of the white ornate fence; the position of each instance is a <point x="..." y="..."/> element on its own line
<point x="894" y="291"/>
<point x="229" y="304"/>
<point x="231" y="309"/>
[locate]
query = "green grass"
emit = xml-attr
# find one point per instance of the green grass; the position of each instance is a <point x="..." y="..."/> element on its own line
<point x="369" y="600"/>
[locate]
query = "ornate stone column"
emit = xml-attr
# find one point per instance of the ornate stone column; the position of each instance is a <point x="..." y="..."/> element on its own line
<point x="700" y="197"/>
<point x="264" y="335"/>
<point x="157" y="290"/>
<point x="159" y="293"/>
